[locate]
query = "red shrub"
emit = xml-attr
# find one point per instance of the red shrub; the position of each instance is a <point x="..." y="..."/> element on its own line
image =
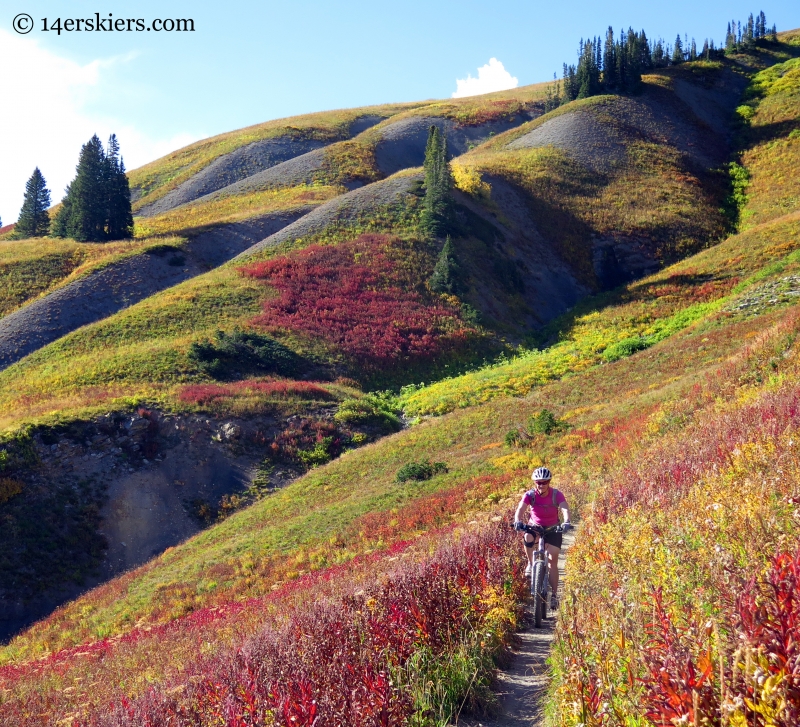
<point x="354" y="296"/>
<point x="769" y="618"/>
<point x="328" y="663"/>
<point x="679" y="686"/>
<point x="665" y="473"/>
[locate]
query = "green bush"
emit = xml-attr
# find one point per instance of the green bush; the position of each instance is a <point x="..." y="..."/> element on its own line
<point x="420" y="470"/>
<point x="513" y="438"/>
<point x="545" y="422"/>
<point x="369" y="411"/>
<point x="232" y="353"/>
<point x="627" y="347"/>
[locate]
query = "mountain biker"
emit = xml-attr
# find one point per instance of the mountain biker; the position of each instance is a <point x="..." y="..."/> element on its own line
<point x="544" y="503"/>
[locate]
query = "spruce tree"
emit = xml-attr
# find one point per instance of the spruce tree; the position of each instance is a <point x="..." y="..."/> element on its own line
<point x="33" y="218"/>
<point x="119" y="219"/>
<point x="610" y="61"/>
<point x="88" y="203"/>
<point x="658" y="54"/>
<point x="59" y="226"/>
<point x="436" y="210"/>
<point x="445" y="273"/>
<point x="677" y="54"/>
<point x="97" y="204"/>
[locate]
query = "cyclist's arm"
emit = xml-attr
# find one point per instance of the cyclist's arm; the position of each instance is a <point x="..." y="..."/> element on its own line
<point x="518" y="515"/>
<point x="564" y="513"/>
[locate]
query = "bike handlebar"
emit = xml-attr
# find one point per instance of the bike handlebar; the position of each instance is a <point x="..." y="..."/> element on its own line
<point x="541" y="530"/>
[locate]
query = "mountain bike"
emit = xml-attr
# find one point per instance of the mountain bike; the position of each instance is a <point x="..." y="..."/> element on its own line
<point x="540" y="571"/>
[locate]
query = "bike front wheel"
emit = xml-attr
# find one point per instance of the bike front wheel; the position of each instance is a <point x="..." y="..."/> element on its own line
<point x="538" y="575"/>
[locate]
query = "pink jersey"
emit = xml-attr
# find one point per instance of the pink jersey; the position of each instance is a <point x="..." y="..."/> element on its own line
<point x="543" y="511"/>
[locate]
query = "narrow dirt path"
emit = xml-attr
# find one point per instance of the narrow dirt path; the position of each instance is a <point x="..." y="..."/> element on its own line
<point x="521" y="686"/>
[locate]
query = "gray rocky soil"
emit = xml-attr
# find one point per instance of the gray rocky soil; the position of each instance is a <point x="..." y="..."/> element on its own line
<point x="581" y="136"/>
<point x="244" y="162"/>
<point x="344" y="209"/>
<point x="521" y="686"/>
<point x="697" y="124"/>
<point x="157" y="480"/>
<point x="121" y="284"/>
<point x="402" y="144"/>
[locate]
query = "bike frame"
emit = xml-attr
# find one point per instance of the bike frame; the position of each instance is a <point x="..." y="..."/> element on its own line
<point x="540" y="574"/>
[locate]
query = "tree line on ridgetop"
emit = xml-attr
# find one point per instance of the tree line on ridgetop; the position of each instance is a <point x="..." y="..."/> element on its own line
<point x="606" y="65"/>
<point x="97" y="205"/>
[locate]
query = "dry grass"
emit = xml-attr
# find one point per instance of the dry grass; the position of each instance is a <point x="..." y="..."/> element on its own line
<point x="193" y="218"/>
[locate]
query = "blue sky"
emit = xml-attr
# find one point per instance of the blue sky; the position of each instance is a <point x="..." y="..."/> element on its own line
<point x="249" y="62"/>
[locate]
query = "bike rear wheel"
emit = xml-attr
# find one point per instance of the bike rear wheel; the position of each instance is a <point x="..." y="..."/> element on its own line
<point x="538" y="575"/>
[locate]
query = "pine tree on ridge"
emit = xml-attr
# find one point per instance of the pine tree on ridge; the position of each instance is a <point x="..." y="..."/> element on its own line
<point x="34" y="221"/>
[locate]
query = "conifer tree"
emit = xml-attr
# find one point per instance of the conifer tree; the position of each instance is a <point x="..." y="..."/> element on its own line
<point x="119" y="218"/>
<point x="436" y="211"/>
<point x="445" y="273"/>
<point x="658" y="54"/>
<point x="609" y="61"/>
<point x="677" y="53"/>
<point x="33" y="218"/>
<point x="97" y="205"/>
<point x="58" y="227"/>
<point x="87" y="208"/>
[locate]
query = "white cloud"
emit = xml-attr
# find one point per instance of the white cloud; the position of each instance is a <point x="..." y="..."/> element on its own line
<point x="491" y="77"/>
<point x="45" y="121"/>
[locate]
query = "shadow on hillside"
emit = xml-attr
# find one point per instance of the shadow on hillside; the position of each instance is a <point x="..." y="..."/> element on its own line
<point x="562" y="327"/>
<point x="770" y="132"/>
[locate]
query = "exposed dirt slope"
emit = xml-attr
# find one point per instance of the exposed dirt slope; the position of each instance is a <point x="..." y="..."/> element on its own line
<point x="344" y="210"/>
<point x="154" y="481"/>
<point x="396" y="145"/>
<point x="246" y="162"/>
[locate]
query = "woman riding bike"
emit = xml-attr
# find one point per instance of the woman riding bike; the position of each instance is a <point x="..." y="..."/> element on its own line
<point x="544" y="503"/>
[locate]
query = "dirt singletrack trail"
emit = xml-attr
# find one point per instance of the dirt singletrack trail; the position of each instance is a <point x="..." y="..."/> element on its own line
<point x="521" y="686"/>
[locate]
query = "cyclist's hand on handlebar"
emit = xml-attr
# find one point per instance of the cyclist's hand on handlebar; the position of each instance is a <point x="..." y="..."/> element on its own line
<point x="518" y="525"/>
<point x="566" y="526"/>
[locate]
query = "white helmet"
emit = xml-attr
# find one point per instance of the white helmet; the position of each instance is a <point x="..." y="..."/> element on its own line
<point x="542" y="473"/>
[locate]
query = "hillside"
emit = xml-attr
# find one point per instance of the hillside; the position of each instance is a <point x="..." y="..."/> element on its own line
<point x="656" y="308"/>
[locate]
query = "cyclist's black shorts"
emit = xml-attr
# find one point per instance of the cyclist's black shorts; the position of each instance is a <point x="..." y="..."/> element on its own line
<point x="551" y="538"/>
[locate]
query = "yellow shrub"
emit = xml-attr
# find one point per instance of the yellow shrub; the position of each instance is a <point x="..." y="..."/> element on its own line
<point x="468" y="180"/>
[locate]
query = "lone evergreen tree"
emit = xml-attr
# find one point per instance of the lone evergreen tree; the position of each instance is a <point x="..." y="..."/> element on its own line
<point x="436" y="211"/>
<point x="33" y="218"/>
<point x="97" y="205"/>
<point x="445" y="273"/>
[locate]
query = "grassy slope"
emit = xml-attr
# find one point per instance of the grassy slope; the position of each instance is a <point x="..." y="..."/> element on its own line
<point x="334" y="513"/>
<point x="772" y="130"/>
<point x="35" y="267"/>
<point x="86" y="358"/>
<point x="656" y="194"/>
<point x="469" y="441"/>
